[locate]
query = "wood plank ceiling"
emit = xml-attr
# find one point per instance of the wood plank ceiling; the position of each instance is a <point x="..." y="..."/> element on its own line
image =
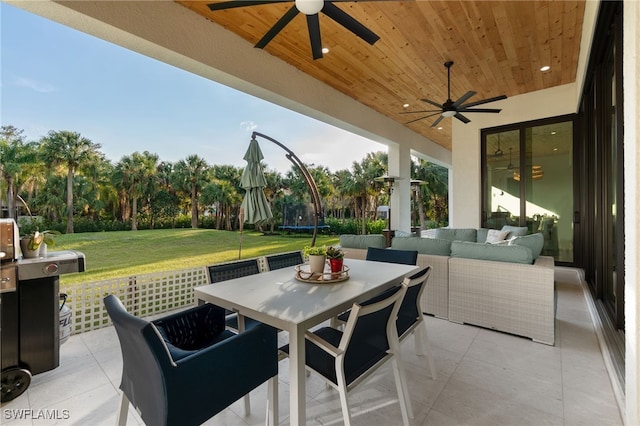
<point x="498" y="48"/>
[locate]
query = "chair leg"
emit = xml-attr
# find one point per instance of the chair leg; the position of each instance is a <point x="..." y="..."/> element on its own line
<point x="342" y="391"/>
<point x="272" y="398"/>
<point x="124" y="411"/>
<point x="403" y="382"/>
<point x="423" y="336"/>
<point x="403" y="395"/>
<point x="247" y="405"/>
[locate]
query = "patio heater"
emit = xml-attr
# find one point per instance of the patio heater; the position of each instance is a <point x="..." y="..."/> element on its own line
<point x="415" y="186"/>
<point x="313" y="188"/>
<point x="389" y="182"/>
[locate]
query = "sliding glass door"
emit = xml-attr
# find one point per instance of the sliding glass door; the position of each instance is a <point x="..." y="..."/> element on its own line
<point x="528" y="181"/>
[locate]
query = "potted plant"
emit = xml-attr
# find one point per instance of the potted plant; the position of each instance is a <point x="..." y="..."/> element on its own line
<point x="317" y="258"/>
<point x="35" y="244"/>
<point x="336" y="258"/>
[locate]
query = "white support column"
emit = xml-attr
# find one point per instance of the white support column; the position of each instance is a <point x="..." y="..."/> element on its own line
<point x="399" y="158"/>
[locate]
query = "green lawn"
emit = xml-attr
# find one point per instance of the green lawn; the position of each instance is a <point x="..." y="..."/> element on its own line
<point x="116" y="254"/>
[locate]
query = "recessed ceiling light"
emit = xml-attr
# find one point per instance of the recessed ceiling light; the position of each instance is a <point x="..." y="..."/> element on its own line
<point x="405" y="106"/>
<point x="440" y="128"/>
<point x="325" y="50"/>
<point x="553" y="133"/>
<point x="555" y="149"/>
<point x="545" y="68"/>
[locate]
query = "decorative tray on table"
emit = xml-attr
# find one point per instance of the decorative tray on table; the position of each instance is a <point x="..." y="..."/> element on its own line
<point x="304" y="274"/>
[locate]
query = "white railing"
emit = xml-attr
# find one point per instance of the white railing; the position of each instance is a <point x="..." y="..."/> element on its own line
<point x="142" y="295"/>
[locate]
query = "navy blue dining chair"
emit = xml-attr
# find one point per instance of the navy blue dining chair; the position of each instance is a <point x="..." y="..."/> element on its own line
<point x="345" y="359"/>
<point x="186" y="367"/>
<point x="284" y="260"/>
<point x="406" y="257"/>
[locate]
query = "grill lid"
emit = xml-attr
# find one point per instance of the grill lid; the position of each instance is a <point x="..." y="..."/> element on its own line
<point x="56" y="263"/>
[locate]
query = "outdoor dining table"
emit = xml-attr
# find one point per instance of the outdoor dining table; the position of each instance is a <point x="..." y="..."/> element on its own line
<point x="279" y="299"/>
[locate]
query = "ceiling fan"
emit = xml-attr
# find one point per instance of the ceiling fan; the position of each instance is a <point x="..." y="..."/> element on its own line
<point x="510" y="166"/>
<point x="310" y="8"/>
<point x="454" y="109"/>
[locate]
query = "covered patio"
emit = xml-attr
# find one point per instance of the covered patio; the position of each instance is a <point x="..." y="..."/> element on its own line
<point x="485" y="377"/>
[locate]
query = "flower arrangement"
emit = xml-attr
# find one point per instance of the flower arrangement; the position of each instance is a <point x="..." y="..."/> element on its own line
<point x="335" y="253"/>
<point x="37" y="238"/>
<point x="315" y="251"/>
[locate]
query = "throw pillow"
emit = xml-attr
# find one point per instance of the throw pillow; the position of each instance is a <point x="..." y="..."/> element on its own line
<point x="495" y="236"/>
<point x="516" y="231"/>
<point x="535" y="242"/>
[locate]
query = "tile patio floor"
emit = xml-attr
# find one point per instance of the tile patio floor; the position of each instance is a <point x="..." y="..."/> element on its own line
<point x="484" y="378"/>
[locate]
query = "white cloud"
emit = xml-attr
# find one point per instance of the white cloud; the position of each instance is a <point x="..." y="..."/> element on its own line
<point x="38" y="86"/>
<point x="249" y="126"/>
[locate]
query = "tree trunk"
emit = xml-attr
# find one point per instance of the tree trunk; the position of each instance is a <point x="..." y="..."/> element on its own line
<point x="194" y="208"/>
<point x="70" y="200"/>
<point x="364" y="213"/>
<point x="421" y="210"/>
<point x="134" y="213"/>
<point x="11" y="199"/>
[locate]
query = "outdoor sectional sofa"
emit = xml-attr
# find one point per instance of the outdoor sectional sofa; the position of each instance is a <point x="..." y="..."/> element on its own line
<point x="507" y="286"/>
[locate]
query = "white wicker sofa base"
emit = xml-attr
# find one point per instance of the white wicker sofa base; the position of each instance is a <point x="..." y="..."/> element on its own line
<point x="509" y="297"/>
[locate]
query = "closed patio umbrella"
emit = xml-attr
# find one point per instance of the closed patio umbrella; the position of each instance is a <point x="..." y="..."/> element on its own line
<point x="255" y="205"/>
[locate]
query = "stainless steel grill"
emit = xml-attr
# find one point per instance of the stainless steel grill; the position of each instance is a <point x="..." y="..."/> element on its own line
<point x="29" y="305"/>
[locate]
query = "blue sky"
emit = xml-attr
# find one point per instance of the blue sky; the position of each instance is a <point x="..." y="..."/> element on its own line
<point x="56" y="78"/>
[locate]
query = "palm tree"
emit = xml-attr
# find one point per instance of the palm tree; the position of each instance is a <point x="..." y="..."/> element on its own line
<point x="18" y="160"/>
<point x="434" y="193"/>
<point x="191" y="176"/>
<point x="225" y="195"/>
<point x="70" y="150"/>
<point x="364" y="173"/>
<point x="344" y="195"/>
<point x="135" y="174"/>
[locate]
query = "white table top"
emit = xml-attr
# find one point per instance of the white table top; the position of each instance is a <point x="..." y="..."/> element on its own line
<point x="278" y="299"/>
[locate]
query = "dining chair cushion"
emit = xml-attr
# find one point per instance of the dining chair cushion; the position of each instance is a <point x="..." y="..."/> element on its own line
<point x="189" y="331"/>
<point x="365" y="348"/>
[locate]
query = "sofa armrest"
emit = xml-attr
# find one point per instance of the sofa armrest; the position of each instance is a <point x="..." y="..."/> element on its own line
<point x="511" y="297"/>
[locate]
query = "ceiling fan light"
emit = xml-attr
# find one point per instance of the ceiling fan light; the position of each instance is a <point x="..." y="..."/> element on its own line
<point x="309" y="7"/>
<point x="448" y="113"/>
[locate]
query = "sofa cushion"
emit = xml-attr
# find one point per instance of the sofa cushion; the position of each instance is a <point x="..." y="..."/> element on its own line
<point x="362" y="241"/>
<point x="403" y="234"/>
<point x="535" y="242"/>
<point x="481" y="235"/>
<point x="495" y="236"/>
<point x="498" y="253"/>
<point x="456" y="234"/>
<point x="515" y="231"/>
<point x="433" y="246"/>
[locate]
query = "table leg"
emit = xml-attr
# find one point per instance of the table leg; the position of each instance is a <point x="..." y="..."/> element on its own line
<point x="297" y="378"/>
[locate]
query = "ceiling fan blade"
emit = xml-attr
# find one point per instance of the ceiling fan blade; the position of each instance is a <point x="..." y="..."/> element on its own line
<point x="435" y="123"/>
<point x="462" y="118"/>
<point x="313" y="23"/>
<point x="434" y="103"/>
<point x="233" y="4"/>
<point x="344" y="19"/>
<point x="277" y="27"/>
<point x="463" y="98"/>
<point x="479" y="110"/>
<point x="485" y="101"/>
<point x="422" y="118"/>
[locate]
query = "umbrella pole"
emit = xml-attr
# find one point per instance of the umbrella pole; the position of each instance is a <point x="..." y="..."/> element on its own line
<point x="241" y="229"/>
